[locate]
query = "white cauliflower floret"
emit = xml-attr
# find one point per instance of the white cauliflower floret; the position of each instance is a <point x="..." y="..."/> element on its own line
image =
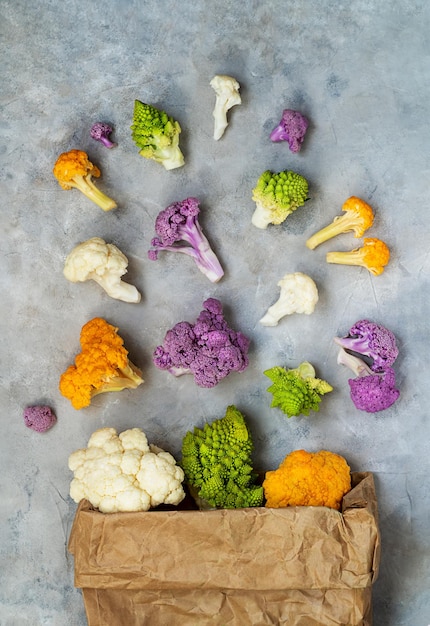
<point x="227" y="96"/>
<point x="123" y="473"/>
<point x="104" y="263"/>
<point x="299" y="294"/>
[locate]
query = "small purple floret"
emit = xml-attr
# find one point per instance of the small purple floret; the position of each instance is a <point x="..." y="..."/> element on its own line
<point x="179" y="230"/>
<point x="209" y="349"/>
<point x="100" y="131"/>
<point x="371" y="340"/>
<point x="374" y="393"/>
<point x="292" y="129"/>
<point x="39" y="418"/>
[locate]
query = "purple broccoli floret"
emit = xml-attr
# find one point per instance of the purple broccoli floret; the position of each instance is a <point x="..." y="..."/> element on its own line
<point x="100" y="131"/>
<point x="209" y="349"/>
<point x="370" y="392"/>
<point x="371" y="340"/>
<point x="179" y="230"/>
<point x="292" y="128"/>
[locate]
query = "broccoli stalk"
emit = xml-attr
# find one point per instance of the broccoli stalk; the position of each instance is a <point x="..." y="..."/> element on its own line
<point x="277" y="196"/>
<point x="179" y="230"/>
<point x="157" y="135"/>
<point x="296" y="391"/>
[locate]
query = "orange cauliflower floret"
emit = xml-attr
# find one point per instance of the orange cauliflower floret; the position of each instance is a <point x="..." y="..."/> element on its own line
<point x="103" y="365"/>
<point x="373" y="255"/>
<point x="358" y="217"/>
<point x="74" y="169"/>
<point x="308" y="479"/>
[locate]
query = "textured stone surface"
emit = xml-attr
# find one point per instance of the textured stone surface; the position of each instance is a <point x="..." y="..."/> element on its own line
<point x="360" y="72"/>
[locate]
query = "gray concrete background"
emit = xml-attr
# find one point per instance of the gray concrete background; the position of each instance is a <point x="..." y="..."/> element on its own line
<point x="360" y="71"/>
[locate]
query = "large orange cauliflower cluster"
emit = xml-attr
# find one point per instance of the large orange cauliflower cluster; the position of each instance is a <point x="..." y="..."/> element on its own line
<point x="308" y="479"/>
<point x="103" y="365"/>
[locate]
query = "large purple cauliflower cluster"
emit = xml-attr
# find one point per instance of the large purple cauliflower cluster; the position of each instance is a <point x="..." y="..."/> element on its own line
<point x="178" y="230"/>
<point x="208" y="349"/>
<point x="374" y="388"/>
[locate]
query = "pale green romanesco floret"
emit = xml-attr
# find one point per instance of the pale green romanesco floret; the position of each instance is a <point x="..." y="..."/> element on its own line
<point x="296" y="391"/>
<point x="157" y="135"/>
<point x="217" y="462"/>
<point x="277" y="196"/>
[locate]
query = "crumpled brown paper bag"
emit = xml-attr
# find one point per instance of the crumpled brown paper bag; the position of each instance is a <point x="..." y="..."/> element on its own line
<point x="301" y="566"/>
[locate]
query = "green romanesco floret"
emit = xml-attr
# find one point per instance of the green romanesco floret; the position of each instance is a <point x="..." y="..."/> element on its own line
<point x="217" y="462"/>
<point x="157" y="135"/>
<point x="276" y="196"/>
<point x="296" y="391"/>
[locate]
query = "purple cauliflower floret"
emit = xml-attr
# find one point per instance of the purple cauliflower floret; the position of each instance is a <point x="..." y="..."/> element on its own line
<point x="292" y="128"/>
<point x="100" y="131"/>
<point x="375" y="392"/>
<point x="39" y="418"/>
<point x="370" y="392"/>
<point x="371" y="340"/>
<point x="209" y="349"/>
<point x="179" y="230"/>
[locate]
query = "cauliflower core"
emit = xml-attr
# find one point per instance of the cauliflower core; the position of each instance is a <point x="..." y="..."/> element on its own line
<point x="124" y="473"/>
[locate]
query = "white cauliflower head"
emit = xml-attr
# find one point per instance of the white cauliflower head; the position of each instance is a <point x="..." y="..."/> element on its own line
<point x="299" y="294"/>
<point x="227" y="95"/>
<point x="104" y="263"/>
<point x="124" y="473"/>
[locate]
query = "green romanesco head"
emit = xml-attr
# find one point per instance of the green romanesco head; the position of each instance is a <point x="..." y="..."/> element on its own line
<point x="217" y="461"/>
<point x="156" y="135"/>
<point x="296" y="391"/>
<point x="280" y="194"/>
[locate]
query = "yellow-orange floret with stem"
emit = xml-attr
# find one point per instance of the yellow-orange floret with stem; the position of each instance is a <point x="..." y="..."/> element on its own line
<point x="373" y="255"/>
<point x="358" y="217"/>
<point x="74" y="169"/>
<point x="102" y="365"/>
<point x="308" y="479"/>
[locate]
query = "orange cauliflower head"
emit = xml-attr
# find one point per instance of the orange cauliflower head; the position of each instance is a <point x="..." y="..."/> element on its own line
<point x="102" y="365"/>
<point x="308" y="479"/>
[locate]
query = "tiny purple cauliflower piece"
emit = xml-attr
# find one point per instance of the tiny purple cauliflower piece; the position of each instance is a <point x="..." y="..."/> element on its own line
<point x="178" y="230"/>
<point x="100" y="131"/>
<point x="370" y="392"/>
<point x="371" y="340"/>
<point x="209" y="349"/>
<point x="292" y="128"/>
<point x="39" y="418"/>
